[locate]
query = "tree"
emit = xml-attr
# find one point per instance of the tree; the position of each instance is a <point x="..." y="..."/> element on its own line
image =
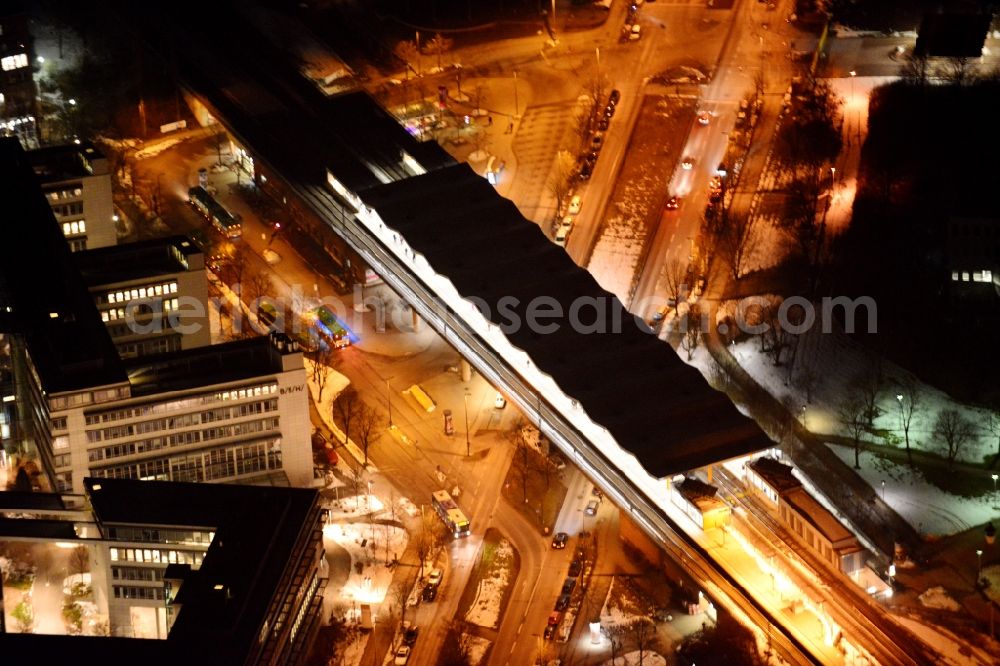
<point x="955" y="430"/>
<point x="79" y="560"/>
<point x="868" y="386"/>
<point x="438" y="46"/>
<point x="734" y="237"/>
<point x="810" y="136"/>
<point x="562" y="177"/>
<point x="643" y="634"/>
<point x="24" y="615"/>
<point x="993" y="425"/>
<point x="691" y="330"/>
<point x="259" y="287"/>
<point x="675" y="281"/>
<point x="408" y="52"/>
<point x="852" y="416"/>
<point x="454" y="651"/>
<point x="72" y="612"/>
<point x="916" y="70"/>
<point x="908" y="397"/>
<point x="347" y="406"/>
<point x="368" y="427"/>
<point x="726" y="643"/>
<point x="479" y="92"/>
<point x="958" y="71"/>
<point x="321" y="369"/>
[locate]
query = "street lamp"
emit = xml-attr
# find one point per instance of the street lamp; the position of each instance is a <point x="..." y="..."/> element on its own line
<point x="388" y="399"/>
<point x="979" y="572"/>
<point x="883" y="490"/>
<point x="853" y="74"/>
<point x="995" y="477"/>
<point x="468" y="450"/>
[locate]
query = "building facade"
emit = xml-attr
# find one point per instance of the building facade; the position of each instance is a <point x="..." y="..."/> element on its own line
<point x="18" y="91"/>
<point x="76" y="181"/>
<point x="235" y="413"/>
<point x="152" y="295"/>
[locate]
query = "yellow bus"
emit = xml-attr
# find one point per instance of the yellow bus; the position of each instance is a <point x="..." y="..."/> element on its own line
<point x="422" y="398"/>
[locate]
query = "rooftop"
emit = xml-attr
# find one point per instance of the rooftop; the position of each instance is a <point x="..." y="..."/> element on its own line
<point x="778" y="475"/>
<point x="655" y="406"/>
<point x="58" y="163"/>
<point x="48" y="302"/>
<point x="135" y="261"/>
<point x="825" y="523"/>
<point x="701" y="494"/>
<point x="204" y="366"/>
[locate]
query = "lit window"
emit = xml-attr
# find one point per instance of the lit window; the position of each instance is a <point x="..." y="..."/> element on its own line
<point x="965" y="276"/>
<point x="114" y="554"/>
<point x="14" y="62"/>
<point x="987" y="276"/>
<point x="83" y="226"/>
<point x="66" y="231"/>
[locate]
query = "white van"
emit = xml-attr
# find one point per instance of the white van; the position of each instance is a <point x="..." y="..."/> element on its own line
<point x="636" y="33"/>
<point x="562" y="233"/>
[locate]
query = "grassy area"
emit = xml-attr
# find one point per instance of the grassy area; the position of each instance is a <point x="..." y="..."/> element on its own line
<point x="489" y="588"/>
<point x="533" y="487"/>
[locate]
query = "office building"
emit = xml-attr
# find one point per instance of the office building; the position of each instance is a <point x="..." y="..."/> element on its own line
<point x="230" y="575"/>
<point x="18" y="92"/>
<point x="152" y="295"/>
<point x="76" y="181"/>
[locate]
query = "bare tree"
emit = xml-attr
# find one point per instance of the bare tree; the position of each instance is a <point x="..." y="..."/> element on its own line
<point x="691" y="329"/>
<point x="562" y="176"/>
<point x="674" y="279"/>
<point x="79" y="560"/>
<point x="958" y="71"/>
<point x="916" y="70"/>
<point x="734" y="237"/>
<point x="869" y="385"/>
<point x="955" y="431"/>
<point x="258" y="287"/>
<point x="908" y="397"/>
<point x="479" y="92"/>
<point x="454" y="650"/>
<point x="347" y="407"/>
<point x="643" y="634"/>
<point x="408" y="52"/>
<point x="321" y="370"/>
<point x="438" y="46"/>
<point x="993" y="425"/>
<point x="852" y="417"/>
<point x="368" y="427"/>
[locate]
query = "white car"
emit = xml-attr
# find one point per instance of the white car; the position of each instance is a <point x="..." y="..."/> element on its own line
<point x="402" y="655"/>
<point x="688" y="163"/>
<point x="636" y="33"/>
<point x="562" y="233"/>
<point x="500" y="402"/>
<point x="434" y="577"/>
<point x="574" y="205"/>
<point x="704" y="118"/>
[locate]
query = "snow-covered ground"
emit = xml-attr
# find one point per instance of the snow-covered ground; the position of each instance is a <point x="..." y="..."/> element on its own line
<point x="826" y="369"/>
<point x="353" y="505"/>
<point x="485" y="609"/>
<point x="335" y="383"/>
<point x="475" y="648"/>
<point x="366" y="543"/>
<point x="632" y="659"/>
<point x="937" y="597"/>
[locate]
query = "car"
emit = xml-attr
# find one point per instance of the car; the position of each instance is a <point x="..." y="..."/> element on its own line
<point x="409" y="633"/>
<point x="554" y="618"/>
<point x="673" y="203"/>
<point x="614" y="97"/>
<point x="609" y="111"/>
<point x="550" y="631"/>
<point x="597" y="141"/>
<point x="586" y="170"/>
<point x="715" y="196"/>
<point x="635" y="33"/>
<point x="603" y="123"/>
<point x="430" y="593"/>
<point x="559" y="540"/>
<point x="499" y="402"/>
<point x="591" y="509"/>
<point x="574" y="205"/>
<point x="715" y="184"/>
<point x="402" y="655"/>
<point x="562" y="234"/>
<point x="704" y="118"/>
<point x="688" y="163"/>
<point x="592" y="156"/>
<point x="568" y="585"/>
<point x="557" y="460"/>
<point x="575" y="567"/>
<point x="562" y="603"/>
<point x="596" y="492"/>
<point x="434" y="578"/>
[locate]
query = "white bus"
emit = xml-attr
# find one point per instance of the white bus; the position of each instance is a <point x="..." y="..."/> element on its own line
<point x="449" y="512"/>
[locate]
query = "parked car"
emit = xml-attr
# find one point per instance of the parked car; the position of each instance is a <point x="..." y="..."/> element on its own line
<point x="592" y="156"/>
<point x="673" y="203"/>
<point x="550" y="631"/>
<point x="562" y="603"/>
<point x="430" y="593"/>
<point x="568" y="585"/>
<point x="635" y="33"/>
<point x="402" y="656"/>
<point x="596" y="492"/>
<point x="409" y="633"/>
<point x="434" y="578"/>
<point x="559" y="540"/>
<point x="609" y="111"/>
<point x="575" y="567"/>
<point x="574" y="205"/>
<point x="597" y="141"/>
<point x="688" y="163"/>
<point x="614" y="97"/>
<point x="586" y="170"/>
<point x="499" y="402"/>
<point x="603" y="123"/>
<point x="591" y="509"/>
<point x="554" y="618"/>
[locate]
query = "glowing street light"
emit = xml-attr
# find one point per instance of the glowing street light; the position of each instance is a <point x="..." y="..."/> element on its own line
<point x="979" y="572"/>
<point x="995" y="477"/>
<point x="883" y="490"/>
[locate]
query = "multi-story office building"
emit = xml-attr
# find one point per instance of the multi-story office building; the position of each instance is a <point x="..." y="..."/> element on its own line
<point x="18" y="92"/>
<point x="152" y="295"/>
<point x="76" y="181"/>
<point x="230" y="575"/>
<point x="231" y="412"/>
